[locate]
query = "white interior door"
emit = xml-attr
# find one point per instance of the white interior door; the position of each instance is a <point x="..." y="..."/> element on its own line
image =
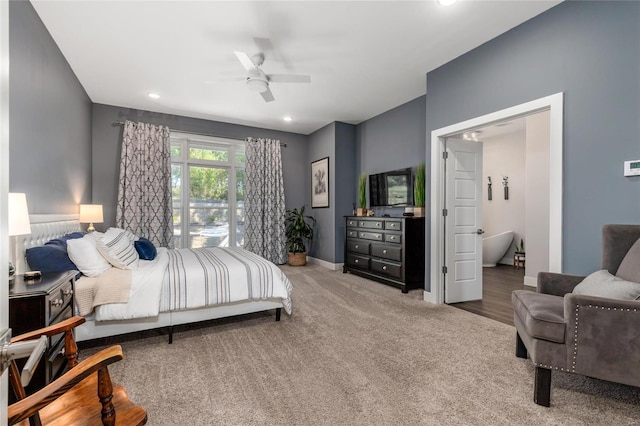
<point x="4" y="190"/>
<point x="463" y="224"/>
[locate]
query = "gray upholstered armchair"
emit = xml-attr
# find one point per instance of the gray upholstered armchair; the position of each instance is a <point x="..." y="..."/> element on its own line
<point x="593" y="336"/>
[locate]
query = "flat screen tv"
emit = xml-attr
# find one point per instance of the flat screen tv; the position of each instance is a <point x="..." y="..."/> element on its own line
<point x="391" y="189"/>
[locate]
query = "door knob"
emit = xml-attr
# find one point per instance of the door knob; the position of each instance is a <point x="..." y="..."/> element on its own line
<point x="480" y="231"/>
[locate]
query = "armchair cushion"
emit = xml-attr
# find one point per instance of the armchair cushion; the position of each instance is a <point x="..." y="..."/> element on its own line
<point x="541" y="314"/>
<point x="603" y="284"/>
<point x="629" y="268"/>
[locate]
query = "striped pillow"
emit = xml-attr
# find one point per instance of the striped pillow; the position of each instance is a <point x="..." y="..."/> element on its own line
<point x="116" y="245"/>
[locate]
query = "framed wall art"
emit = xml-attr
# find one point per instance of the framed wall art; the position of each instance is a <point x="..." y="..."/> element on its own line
<point x="320" y="183"/>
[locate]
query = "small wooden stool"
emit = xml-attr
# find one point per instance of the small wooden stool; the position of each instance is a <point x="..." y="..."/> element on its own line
<point x="518" y="260"/>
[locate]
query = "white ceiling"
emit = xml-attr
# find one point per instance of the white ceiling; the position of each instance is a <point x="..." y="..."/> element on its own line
<point x="364" y="57"/>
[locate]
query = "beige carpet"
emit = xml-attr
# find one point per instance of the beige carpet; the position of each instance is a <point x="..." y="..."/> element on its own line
<point x="355" y="352"/>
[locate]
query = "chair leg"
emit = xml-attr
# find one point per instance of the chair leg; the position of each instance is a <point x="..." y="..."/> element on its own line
<point x="542" y="387"/>
<point x="521" y="349"/>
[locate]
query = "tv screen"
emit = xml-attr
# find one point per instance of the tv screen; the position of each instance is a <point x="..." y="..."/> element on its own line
<point x="391" y="189"/>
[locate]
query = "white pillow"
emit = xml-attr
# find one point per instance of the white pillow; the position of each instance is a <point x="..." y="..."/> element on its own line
<point x="84" y="253"/>
<point x="116" y="245"/>
<point x="603" y="284"/>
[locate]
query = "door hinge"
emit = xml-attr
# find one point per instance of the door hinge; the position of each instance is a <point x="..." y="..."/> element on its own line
<point x="445" y="155"/>
<point x="445" y="212"/>
<point x="444" y="269"/>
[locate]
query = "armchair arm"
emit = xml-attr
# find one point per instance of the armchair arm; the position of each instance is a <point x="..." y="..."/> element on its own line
<point x="557" y="284"/>
<point x="603" y="338"/>
<point x="61" y="327"/>
<point x="33" y="403"/>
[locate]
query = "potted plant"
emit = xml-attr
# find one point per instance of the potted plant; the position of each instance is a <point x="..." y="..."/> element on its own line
<point x="519" y="255"/>
<point x="362" y="196"/>
<point x="418" y="192"/>
<point x="298" y="228"/>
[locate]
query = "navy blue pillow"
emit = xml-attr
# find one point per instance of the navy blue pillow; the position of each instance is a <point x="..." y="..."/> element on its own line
<point x="49" y="258"/>
<point x="62" y="241"/>
<point x="145" y="248"/>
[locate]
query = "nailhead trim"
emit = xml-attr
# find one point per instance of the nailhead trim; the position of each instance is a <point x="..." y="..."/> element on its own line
<point x="575" y="339"/>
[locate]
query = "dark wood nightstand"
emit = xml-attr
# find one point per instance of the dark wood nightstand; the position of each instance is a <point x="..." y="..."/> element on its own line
<point x="39" y="303"/>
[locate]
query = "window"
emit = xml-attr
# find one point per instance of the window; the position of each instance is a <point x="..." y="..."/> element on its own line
<point x="207" y="181"/>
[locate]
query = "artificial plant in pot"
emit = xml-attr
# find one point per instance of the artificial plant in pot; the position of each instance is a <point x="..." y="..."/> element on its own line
<point x="418" y="191"/>
<point x="362" y="196"/>
<point x="298" y="230"/>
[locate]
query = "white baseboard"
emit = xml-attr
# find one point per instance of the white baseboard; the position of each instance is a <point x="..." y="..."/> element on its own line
<point x="428" y="296"/>
<point x="324" y="263"/>
<point x="531" y="281"/>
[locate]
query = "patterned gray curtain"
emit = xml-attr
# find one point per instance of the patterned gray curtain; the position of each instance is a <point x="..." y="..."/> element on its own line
<point x="264" y="200"/>
<point x="144" y="191"/>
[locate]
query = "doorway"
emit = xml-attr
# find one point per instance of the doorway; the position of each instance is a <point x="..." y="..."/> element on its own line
<point x="439" y="248"/>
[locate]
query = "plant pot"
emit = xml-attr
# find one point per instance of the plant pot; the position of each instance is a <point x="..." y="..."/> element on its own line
<point x="361" y="212"/>
<point x="418" y="211"/>
<point x="297" y="259"/>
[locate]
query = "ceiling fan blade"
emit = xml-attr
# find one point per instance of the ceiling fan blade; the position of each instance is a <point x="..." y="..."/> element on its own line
<point x="246" y="61"/>
<point x="225" y="80"/>
<point x="289" y="78"/>
<point x="267" y="95"/>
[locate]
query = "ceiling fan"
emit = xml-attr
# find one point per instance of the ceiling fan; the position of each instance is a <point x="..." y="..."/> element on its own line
<point x="258" y="81"/>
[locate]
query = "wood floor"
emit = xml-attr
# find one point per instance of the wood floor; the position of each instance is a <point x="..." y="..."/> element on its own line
<point x="497" y="285"/>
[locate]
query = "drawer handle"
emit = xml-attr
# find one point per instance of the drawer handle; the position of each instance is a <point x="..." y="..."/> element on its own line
<point x="361" y="223"/>
<point x="393" y="225"/>
<point x="357" y="246"/>
<point x="378" y="225"/>
<point x="67" y="292"/>
<point x="384" y="252"/>
<point x="392" y="238"/>
<point x="384" y="268"/>
<point x="378" y="236"/>
<point x="356" y="260"/>
<point x="57" y="302"/>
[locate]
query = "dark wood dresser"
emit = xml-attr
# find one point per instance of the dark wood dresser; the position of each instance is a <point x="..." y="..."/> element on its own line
<point x="386" y="249"/>
<point x="39" y="303"/>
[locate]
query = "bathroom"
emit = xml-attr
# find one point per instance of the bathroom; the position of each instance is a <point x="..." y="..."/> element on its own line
<point x="516" y="195"/>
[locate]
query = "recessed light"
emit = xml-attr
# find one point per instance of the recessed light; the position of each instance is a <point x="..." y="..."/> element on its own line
<point x="446" y="2"/>
<point x="288" y="118"/>
<point x="153" y="95"/>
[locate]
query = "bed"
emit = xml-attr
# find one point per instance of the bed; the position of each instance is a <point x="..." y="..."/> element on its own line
<point x="173" y="308"/>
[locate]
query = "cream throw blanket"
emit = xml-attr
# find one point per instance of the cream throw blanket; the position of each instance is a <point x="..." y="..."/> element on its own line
<point x="112" y="286"/>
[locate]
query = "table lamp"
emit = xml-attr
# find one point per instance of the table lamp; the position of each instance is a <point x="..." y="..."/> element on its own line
<point x="18" y="223"/>
<point x="91" y="213"/>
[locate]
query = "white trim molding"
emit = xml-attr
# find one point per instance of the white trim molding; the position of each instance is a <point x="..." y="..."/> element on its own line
<point x="324" y="263"/>
<point x="554" y="104"/>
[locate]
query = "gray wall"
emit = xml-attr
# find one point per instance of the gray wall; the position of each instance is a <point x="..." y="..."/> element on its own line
<point x="322" y="144"/>
<point x="392" y="140"/>
<point x="50" y="119"/>
<point x="107" y="140"/>
<point x="591" y="52"/>
<point x="345" y="182"/>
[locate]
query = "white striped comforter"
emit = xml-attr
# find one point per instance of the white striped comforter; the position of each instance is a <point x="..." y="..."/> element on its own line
<point x="209" y="276"/>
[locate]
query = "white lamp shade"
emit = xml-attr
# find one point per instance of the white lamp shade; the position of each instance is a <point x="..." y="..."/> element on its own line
<point x="18" y="214"/>
<point x="91" y="213"/>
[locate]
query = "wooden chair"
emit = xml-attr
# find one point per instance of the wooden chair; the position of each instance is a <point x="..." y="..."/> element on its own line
<point x="84" y="395"/>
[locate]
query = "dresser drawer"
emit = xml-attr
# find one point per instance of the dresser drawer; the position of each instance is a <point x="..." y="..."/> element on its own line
<point x="58" y="300"/>
<point x="387" y="268"/>
<point x="352" y="233"/>
<point x="373" y="224"/>
<point x="387" y="251"/>
<point x="391" y="237"/>
<point x="356" y="261"/>
<point x="358" y="246"/>
<point x="57" y="360"/>
<point x="393" y="225"/>
<point x="366" y="235"/>
<point x="352" y="222"/>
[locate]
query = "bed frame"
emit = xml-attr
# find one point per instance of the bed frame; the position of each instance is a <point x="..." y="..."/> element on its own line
<point x="47" y="226"/>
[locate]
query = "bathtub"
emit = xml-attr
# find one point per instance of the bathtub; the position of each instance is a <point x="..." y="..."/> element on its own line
<point x="495" y="247"/>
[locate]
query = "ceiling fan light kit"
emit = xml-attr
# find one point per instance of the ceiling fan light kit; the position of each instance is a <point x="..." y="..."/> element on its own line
<point x="258" y="81"/>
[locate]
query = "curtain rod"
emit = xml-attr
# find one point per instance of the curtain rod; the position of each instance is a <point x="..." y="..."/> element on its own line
<point x="120" y="123"/>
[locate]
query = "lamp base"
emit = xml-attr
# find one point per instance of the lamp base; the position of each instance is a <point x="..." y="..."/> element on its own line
<point x="90" y="229"/>
<point x="12" y="271"/>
